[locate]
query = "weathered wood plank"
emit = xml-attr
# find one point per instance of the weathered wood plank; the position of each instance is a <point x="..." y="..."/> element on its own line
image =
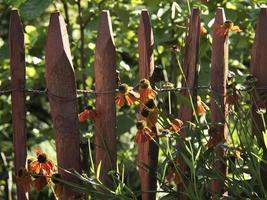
<point x="17" y="64"/>
<point x="219" y="72"/>
<point x="105" y="80"/>
<point x="148" y="151"/>
<point x="190" y="73"/>
<point x="61" y="86"/>
<point x="258" y="70"/>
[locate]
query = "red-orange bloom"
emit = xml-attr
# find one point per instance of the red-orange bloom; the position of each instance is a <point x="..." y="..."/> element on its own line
<point x="24" y="179"/>
<point x="146" y="91"/>
<point x="149" y="113"/>
<point x="144" y="133"/>
<point x="176" y="125"/>
<point x="201" y="106"/>
<point x="42" y="165"/>
<point x="126" y="96"/>
<point x="40" y="182"/>
<point x="88" y="113"/>
<point x="228" y="26"/>
<point x="203" y="30"/>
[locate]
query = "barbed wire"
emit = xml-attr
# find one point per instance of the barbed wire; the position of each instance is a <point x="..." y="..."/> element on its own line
<point x="93" y="92"/>
<point x="81" y="91"/>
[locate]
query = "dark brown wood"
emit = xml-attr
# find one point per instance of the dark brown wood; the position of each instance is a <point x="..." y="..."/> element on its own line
<point x="219" y="131"/>
<point x="61" y="86"/>
<point x="105" y="80"/>
<point x="148" y="151"/>
<point x="17" y="64"/>
<point x="190" y="73"/>
<point x="258" y="70"/>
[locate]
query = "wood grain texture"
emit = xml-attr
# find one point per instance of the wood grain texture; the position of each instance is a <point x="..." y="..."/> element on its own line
<point x="17" y="64"/>
<point x="190" y="72"/>
<point x="105" y="80"/>
<point x="258" y="70"/>
<point x="190" y="65"/>
<point x="61" y="86"/>
<point x="147" y="152"/>
<point x="219" y="131"/>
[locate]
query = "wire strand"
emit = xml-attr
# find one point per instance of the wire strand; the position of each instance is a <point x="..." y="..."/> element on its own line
<point x="80" y="91"/>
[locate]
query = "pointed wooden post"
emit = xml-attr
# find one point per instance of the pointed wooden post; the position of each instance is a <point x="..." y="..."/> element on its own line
<point x="148" y="151"/>
<point x="219" y="131"/>
<point x="258" y="68"/>
<point x="17" y="64"/>
<point x="61" y="86"/>
<point x="190" y="72"/>
<point x="105" y="80"/>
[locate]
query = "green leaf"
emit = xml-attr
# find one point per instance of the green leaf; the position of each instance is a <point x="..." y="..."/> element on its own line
<point x="4" y="51"/>
<point x="265" y="137"/>
<point x="184" y="100"/>
<point x="175" y="6"/>
<point x="14" y="3"/>
<point x="32" y="8"/>
<point x="98" y="170"/>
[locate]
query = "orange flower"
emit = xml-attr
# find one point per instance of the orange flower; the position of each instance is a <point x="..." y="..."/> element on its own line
<point x="228" y="26"/>
<point x="58" y="189"/>
<point x="40" y="182"/>
<point x="149" y="113"/>
<point x="88" y="113"/>
<point x="24" y="179"/>
<point x="146" y="91"/>
<point x="143" y="134"/>
<point x="201" y="106"/>
<point x="126" y="96"/>
<point x="42" y="165"/>
<point x="203" y="30"/>
<point x="176" y="125"/>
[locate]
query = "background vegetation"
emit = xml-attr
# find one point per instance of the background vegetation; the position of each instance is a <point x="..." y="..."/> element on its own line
<point x="169" y="20"/>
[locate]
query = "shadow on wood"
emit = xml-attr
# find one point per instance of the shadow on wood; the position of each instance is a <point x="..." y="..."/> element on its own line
<point x="105" y="80"/>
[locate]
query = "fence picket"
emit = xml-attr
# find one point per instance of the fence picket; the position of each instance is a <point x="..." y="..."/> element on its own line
<point x="105" y="80"/>
<point x="258" y="70"/>
<point x="219" y="72"/>
<point x="61" y="86"/>
<point x="148" y="151"/>
<point x="17" y="64"/>
<point x="190" y="74"/>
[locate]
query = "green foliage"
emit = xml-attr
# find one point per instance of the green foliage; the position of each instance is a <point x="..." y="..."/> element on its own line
<point x="169" y="20"/>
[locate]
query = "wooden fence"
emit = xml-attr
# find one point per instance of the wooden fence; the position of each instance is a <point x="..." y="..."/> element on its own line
<point x="61" y="91"/>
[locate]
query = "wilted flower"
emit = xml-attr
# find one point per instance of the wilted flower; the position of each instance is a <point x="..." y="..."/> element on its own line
<point x="144" y="133"/>
<point x="176" y="125"/>
<point x="126" y="96"/>
<point x="40" y="182"/>
<point x="228" y="26"/>
<point x="149" y="113"/>
<point x="146" y="91"/>
<point x="24" y="179"/>
<point x="88" y="113"/>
